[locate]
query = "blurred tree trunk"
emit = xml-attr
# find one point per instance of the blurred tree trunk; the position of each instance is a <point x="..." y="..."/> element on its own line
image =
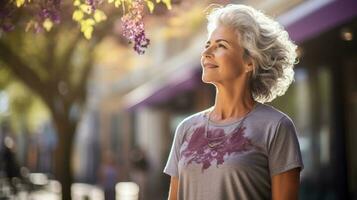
<point x="66" y="131"/>
<point x="64" y="97"/>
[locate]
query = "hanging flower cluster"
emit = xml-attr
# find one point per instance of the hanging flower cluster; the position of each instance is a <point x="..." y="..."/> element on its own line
<point x="133" y="26"/>
<point x="86" y="13"/>
<point x="132" y="21"/>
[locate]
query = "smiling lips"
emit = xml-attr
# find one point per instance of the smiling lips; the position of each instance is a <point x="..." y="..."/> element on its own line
<point x="209" y="65"/>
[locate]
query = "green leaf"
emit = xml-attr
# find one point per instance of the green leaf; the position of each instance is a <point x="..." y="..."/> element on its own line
<point x="99" y="16"/>
<point x="86" y="8"/>
<point x="47" y="24"/>
<point x="77" y="15"/>
<point x="77" y="2"/>
<point x="167" y="3"/>
<point x="150" y="5"/>
<point x="19" y="3"/>
<point x="88" y="32"/>
<point x="117" y="3"/>
<point x="90" y="22"/>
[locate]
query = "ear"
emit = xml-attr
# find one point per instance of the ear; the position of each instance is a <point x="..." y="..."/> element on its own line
<point x="249" y="65"/>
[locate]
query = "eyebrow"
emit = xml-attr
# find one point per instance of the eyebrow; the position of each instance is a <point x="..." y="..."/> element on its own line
<point x="218" y="40"/>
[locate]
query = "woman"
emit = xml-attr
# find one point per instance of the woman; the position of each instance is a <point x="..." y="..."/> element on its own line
<point x="240" y="148"/>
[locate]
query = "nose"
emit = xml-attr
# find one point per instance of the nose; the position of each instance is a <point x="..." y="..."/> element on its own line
<point x="207" y="53"/>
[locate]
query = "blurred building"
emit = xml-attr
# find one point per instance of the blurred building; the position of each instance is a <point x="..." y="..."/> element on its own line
<point x="138" y="112"/>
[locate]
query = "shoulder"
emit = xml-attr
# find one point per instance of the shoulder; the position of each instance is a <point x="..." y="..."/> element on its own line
<point x="193" y="119"/>
<point x="278" y="124"/>
<point x="268" y="114"/>
<point x="188" y="123"/>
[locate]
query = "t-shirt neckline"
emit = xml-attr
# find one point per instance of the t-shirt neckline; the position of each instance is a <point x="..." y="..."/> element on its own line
<point x="229" y="123"/>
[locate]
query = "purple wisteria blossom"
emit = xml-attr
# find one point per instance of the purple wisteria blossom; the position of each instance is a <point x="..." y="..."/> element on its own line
<point x="6" y="12"/>
<point x="133" y="26"/>
<point x="93" y="4"/>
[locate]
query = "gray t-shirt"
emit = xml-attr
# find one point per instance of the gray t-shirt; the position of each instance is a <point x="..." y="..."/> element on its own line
<point x="234" y="160"/>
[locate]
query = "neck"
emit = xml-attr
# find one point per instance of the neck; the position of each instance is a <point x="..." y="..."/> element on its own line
<point x="232" y="101"/>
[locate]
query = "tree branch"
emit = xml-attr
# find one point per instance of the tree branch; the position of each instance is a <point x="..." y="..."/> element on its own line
<point x="50" y="48"/>
<point x="24" y="72"/>
<point x="66" y="59"/>
<point x="79" y="91"/>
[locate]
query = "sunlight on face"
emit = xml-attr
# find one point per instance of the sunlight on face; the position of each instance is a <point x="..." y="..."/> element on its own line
<point x="222" y="59"/>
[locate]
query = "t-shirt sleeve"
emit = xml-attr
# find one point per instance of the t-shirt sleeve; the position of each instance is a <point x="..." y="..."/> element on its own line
<point x="171" y="167"/>
<point x="284" y="149"/>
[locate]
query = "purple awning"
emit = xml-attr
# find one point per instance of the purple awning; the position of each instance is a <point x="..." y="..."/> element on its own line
<point x="327" y="17"/>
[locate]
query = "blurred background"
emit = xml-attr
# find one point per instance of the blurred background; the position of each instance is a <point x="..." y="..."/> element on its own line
<point x="121" y="109"/>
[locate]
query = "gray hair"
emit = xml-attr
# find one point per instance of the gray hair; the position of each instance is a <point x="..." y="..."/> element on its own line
<point x="266" y="42"/>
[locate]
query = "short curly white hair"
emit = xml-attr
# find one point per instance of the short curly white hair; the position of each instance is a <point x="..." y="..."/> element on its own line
<point x="266" y="42"/>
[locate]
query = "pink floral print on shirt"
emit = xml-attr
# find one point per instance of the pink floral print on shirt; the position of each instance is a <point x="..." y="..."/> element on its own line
<point x="198" y="151"/>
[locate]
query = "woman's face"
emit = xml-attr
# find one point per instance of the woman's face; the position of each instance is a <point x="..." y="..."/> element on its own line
<point x="222" y="59"/>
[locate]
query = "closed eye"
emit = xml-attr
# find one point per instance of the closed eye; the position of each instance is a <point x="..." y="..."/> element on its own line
<point x="221" y="45"/>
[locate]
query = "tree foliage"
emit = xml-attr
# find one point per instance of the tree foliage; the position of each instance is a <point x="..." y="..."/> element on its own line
<point x="50" y="46"/>
<point x="43" y="15"/>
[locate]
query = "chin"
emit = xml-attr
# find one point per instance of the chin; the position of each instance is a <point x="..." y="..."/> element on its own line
<point x="208" y="79"/>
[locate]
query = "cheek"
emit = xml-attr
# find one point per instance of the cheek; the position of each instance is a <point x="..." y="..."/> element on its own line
<point x="232" y="63"/>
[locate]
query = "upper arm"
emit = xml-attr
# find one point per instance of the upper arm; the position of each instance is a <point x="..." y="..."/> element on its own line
<point x="173" y="188"/>
<point x="171" y="167"/>
<point x="286" y="185"/>
<point x="283" y="148"/>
